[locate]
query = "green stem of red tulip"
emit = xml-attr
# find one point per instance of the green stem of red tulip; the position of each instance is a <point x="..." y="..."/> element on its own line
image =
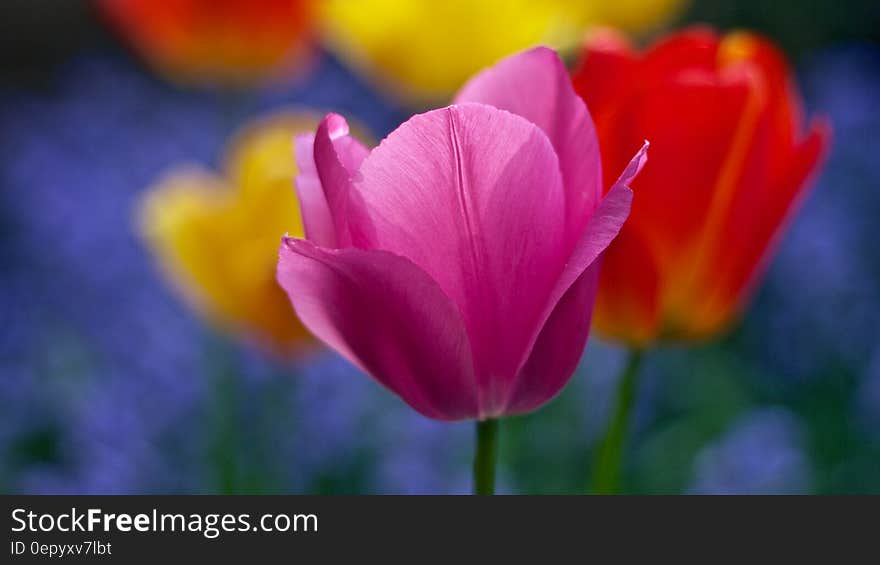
<point x="485" y="457"/>
<point x="609" y="459"/>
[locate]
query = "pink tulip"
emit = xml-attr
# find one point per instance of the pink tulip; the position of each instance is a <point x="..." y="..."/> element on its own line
<point x="457" y="262"/>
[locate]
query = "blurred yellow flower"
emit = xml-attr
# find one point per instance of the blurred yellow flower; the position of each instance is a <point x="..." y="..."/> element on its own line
<point x="216" y="236"/>
<point x="427" y="49"/>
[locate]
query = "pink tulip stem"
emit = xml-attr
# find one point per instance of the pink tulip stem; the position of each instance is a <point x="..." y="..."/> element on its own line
<point x="609" y="458"/>
<point x="485" y="457"/>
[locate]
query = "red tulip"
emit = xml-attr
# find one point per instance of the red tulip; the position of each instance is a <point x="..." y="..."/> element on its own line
<point x="730" y="160"/>
<point x="215" y="41"/>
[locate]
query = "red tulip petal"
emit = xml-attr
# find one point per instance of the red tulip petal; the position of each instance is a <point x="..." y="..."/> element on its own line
<point x="606" y="72"/>
<point x="628" y="301"/>
<point x="693" y="124"/>
<point x="749" y="239"/>
<point x="693" y="49"/>
<point x="784" y="107"/>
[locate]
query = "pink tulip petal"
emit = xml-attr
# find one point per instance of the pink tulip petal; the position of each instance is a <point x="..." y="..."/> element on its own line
<point x="604" y="224"/>
<point x="535" y="85"/>
<point x="336" y="158"/>
<point x="473" y="195"/>
<point x="570" y="287"/>
<point x="559" y="347"/>
<point x="315" y="211"/>
<point x="388" y="317"/>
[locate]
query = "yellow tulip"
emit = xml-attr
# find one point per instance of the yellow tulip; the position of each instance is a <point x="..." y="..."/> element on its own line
<point x="216" y="236"/>
<point x="427" y="49"/>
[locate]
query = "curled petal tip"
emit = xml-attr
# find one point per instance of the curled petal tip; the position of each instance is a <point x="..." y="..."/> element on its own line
<point x="288" y="241"/>
<point x="635" y="165"/>
<point x="336" y="125"/>
<point x="642" y="155"/>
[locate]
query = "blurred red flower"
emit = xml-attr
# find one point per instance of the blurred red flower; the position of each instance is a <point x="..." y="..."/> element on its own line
<point x="730" y="159"/>
<point x="227" y="42"/>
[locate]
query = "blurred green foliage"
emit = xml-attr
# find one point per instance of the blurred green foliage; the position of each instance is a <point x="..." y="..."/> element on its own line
<point x="798" y="25"/>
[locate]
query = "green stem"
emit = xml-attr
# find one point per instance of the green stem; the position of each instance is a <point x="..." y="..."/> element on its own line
<point x="609" y="458"/>
<point x="485" y="457"/>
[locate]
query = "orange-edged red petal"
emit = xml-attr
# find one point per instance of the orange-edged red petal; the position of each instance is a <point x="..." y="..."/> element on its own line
<point x="628" y="303"/>
<point x="751" y="232"/>
<point x="784" y="107"/>
<point x="676" y="189"/>
<point x="723" y="116"/>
